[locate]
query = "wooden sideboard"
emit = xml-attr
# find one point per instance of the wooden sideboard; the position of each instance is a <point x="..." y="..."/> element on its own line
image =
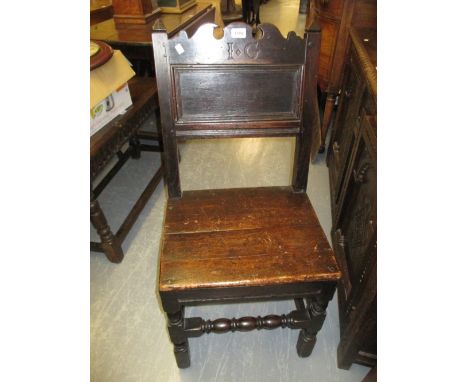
<point x="336" y="17"/>
<point x="135" y="40"/>
<point x="352" y="162"/>
<point x="100" y="10"/>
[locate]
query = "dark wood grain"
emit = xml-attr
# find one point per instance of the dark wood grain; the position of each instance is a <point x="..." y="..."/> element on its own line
<point x="243" y="208"/>
<point x="171" y="153"/>
<point x="203" y="89"/>
<point x="336" y="18"/>
<point x="352" y="161"/>
<point x="250" y="236"/>
<point x="241" y="244"/>
<point x="309" y="135"/>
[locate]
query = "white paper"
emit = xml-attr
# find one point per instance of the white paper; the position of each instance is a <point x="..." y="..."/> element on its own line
<point x="179" y="49"/>
<point x="238" y="33"/>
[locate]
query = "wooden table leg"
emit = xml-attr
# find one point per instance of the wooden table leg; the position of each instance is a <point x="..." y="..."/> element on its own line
<point x="110" y="245"/>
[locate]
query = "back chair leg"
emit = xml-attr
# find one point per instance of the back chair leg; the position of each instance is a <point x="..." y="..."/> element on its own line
<point x="179" y="338"/>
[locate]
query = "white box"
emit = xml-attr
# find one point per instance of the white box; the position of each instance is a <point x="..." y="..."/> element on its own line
<point x="109" y="108"/>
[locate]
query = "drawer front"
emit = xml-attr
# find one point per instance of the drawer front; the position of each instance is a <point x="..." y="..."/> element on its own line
<point x="357" y="224"/>
<point x="330" y="7"/>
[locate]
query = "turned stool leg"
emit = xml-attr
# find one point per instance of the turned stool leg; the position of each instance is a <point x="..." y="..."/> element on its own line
<point x="179" y="338"/>
<point x="110" y="244"/>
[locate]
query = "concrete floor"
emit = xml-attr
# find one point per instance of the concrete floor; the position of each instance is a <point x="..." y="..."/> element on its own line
<point x="129" y="340"/>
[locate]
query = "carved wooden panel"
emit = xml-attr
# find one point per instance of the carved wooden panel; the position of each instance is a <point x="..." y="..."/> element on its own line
<point x="356" y="252"/>
<point x="343" y="135"/>
<point x="232" y="83"/>
<point x="352" y="160"/>
<point x="254" y="93"/>
<point x="236" y="46"/>
<point x="358" y="219"/>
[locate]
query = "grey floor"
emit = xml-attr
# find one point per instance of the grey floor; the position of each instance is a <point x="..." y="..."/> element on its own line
<point x="129" y="340"/>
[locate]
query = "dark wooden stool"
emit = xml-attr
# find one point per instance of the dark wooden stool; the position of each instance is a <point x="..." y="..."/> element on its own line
<point x="245" y="244"/>
<point x="107" y="143"/>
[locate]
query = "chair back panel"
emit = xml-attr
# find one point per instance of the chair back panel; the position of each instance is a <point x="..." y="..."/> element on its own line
<point x="228" y="93"/>
<point x="236" y="85"/>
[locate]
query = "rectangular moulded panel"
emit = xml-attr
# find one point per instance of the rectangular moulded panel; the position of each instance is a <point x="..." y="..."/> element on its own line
<point x="229" y="94"/>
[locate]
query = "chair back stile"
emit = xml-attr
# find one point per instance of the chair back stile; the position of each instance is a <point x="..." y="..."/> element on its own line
<point x="239" y="85"/>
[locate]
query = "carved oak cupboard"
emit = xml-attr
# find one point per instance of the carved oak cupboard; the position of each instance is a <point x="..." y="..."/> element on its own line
<point x="336" y="17"/>
<point x="352" y="162"/>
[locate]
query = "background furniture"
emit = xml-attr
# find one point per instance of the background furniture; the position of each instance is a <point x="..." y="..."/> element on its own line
<point x="135" y="11"/>
<point x="175" y="6"/>
<point x="304" y="6"/>
<point x="352" y="162"/>
<point x="100" y="10"/>
<point x="336" y="17"/>
<point x="251" y="11"/>
<point x="241" y="244"/>
<point x="107" y="143"/>
<point x="230" y="11"/>
<point x="134" y="41"/>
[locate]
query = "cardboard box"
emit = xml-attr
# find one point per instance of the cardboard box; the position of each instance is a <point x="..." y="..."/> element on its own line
<point x="110" y="95"/>
<point x="109" y="108"/>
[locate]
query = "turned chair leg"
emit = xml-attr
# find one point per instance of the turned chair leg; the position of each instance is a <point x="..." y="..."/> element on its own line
<point x="308" y="336"/>
<point x="179" y="338"/>
<point x="306" y="343"/>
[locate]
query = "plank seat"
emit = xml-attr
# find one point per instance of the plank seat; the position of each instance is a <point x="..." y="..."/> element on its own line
<point x="243" y="237"/>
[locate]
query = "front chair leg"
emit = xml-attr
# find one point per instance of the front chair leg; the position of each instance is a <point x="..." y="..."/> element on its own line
<point x="306" y="342"/>
<point x="316" y="311"/>
<point x="179" y="338"/>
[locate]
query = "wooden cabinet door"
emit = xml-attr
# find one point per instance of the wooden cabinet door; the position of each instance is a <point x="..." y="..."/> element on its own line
<point x="343" y="135"/>
<point x="356" y="227"/>
<point x="355" y="239"/>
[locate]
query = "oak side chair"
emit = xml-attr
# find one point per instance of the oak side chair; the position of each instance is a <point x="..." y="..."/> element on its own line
<point x="244" y="244"/>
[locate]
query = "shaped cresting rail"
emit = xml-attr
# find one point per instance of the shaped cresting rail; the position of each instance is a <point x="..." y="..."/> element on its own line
<point x="236" y="43"/>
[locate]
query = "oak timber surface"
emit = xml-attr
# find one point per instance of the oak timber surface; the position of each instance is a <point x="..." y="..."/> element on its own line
<point x="243" y="237"/>
<point x="141" y="34"/>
